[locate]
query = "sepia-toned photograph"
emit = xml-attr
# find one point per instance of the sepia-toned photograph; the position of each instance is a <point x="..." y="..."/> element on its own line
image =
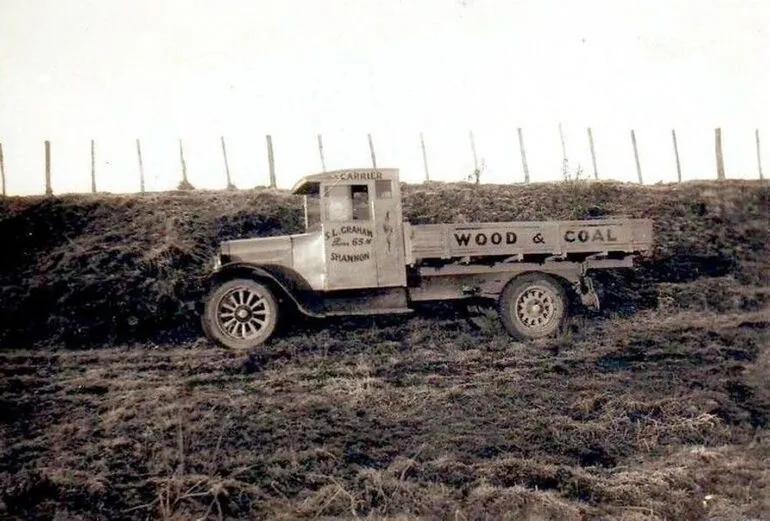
<point x="384" y="260"/>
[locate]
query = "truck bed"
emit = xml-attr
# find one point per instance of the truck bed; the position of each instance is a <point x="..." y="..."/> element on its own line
<point x="548" y="238"/>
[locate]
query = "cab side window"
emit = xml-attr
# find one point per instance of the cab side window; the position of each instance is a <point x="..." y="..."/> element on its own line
<point x="383" y="189"/>
<point x="312" y="212"/>
<point x="361" y="203"/>
<point x="348" y="203"/>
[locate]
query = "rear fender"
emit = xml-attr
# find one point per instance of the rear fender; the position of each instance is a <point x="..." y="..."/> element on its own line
<point x="569" y="275"/>
<point x="573" y="280"/>
<point x="288" y="284"/>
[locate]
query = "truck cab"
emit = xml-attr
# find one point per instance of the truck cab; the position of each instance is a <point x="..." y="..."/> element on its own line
<point x="357" y="256"/>
<point x="358" y="215"/>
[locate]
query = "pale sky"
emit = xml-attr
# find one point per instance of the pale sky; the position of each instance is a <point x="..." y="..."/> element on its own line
<point x="117" y="70"/>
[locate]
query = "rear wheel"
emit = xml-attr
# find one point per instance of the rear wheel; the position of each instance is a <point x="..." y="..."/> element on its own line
<point x="240" y="314"/>
<point x="533" y="306"/>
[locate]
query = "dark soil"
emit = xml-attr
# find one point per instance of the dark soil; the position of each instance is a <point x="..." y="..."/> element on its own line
<point x="652" y="417"/>
<point x="112" y="406"/>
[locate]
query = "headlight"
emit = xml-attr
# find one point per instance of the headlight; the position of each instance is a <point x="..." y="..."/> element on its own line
<point x="217" y="262"/>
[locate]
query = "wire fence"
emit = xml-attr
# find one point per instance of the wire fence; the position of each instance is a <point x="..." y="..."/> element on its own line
<point x="479" y="165"/>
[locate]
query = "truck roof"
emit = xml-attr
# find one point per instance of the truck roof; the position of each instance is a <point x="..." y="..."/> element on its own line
<point x="311" y="183"/>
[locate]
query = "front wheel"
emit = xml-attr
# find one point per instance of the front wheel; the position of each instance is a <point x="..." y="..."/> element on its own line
<point x="240" y="314"/>
<point x="533" y="306"/>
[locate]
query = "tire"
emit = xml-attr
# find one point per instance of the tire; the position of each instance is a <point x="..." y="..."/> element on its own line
<point x="533" y="306"/>
<point x="240" y="314"/>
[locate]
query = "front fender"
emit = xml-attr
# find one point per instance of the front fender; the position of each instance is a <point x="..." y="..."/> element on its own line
<point x="287" y="282"/>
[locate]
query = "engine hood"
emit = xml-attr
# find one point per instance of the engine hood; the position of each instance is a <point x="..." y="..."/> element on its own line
<point x="265" y="250"/>
<point x="302" y="254"/>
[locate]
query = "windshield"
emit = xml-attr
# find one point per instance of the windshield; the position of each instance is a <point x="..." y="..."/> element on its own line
<point x="312" y="212"/>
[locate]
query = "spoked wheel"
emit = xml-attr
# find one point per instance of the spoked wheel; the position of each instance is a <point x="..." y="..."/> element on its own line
<point x="533" y="306"/>
<point x="240" y="314"/>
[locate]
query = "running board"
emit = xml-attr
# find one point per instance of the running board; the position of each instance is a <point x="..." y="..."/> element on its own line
<point x="366" y="312"/>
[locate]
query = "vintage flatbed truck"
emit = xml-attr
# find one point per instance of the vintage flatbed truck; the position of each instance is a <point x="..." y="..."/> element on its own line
<point x="359" y="257"/>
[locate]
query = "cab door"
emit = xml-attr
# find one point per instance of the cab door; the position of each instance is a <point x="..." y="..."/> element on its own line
<point x="349" y="235"/>
<point x="388" y="234"/>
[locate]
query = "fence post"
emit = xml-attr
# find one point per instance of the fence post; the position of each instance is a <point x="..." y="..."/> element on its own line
<point x="371" y="151"/>
<point x="756" y="135"/>
<point x="271" y="160"/>
<point x="593" y="152"/>
<point x="676" y="156"/>
<point x="720" y="158"/>
<point x="93" y="167"/>
<point x="476" y="171"/>
<point x="424" y="157"/>
<point x="564" y="159"/>
<point x="321" y="152"/>
<point x="141" y="165"/>
<point x="524" y="164"/>
<point x="185" y="184"/>
<point x="230" y="185"/>
<point x="473" y="150"/>
<point x="48" y="189"/>
<point x="636" y="157"/>
<point x="2" y="168"/>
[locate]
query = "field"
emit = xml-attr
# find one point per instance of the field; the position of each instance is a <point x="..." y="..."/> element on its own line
<point x="113" y="407"/>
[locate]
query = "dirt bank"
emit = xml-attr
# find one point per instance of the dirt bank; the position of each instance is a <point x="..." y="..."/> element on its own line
<point x="85" y="270"/>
